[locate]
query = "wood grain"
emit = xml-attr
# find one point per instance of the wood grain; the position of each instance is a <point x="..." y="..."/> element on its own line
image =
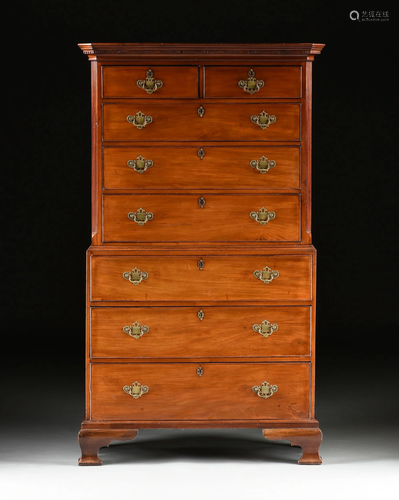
<point x="180" y="218"/>
<point x="181" y="168"/>
<point x="308" y="439"/>
<point x="177" y="392"/>
<point x="279" y="81"/>
<point x="180" y="121"/>
<point x="222" y="278"/>
<point x="178" y="81"/>
<point x="91" y="440"/>
<point x="177" y="332"/>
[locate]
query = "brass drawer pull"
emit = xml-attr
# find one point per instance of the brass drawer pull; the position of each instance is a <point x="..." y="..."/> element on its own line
<point x="201" y="111"/>
<point x="263" y="165"/>
<point x="251" y="84"/>
<point x="262" y="216"/>
<point x="265" y="390"/>
<point x="201" y="202"/>
<point x="201" y="314"/>
<point x="201" y="153"/>
<point x="141" y="217"/>
<point x="200" y="371"/>
<point x="135" y="276"/>
<point x="150" y="85"/>
<point x="266" y="275"/>
<point x="263" y="119"/>
<point x="139" y="120"/>
<point x="140" y="164"/>
<point x="265" y="328"/>
<point x="136" y="330"/>
<point x="136" y="390"/>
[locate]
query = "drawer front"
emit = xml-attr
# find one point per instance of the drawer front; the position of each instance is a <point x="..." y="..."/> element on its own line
<point x="180" y="218"/>
<point x="190" y="332"/>
<point x="222" y="278"/>
<point x="267" y="82"/>
<point x="180" y="121"/>
<point x="176" y="81"/>
<point x="176" y="392"/>
<point x="183" y="168"/>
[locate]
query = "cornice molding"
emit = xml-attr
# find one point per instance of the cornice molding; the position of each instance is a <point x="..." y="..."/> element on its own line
<point x="99" y="51"/>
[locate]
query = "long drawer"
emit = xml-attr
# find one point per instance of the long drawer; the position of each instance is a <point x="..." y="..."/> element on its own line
<point x="180" y="121"/>
<point x="175" y="391"/>
<point x="221" y="278"/>
<point x="189" y="332"/>
<point x="188" y="167"/>
<point x="208" y="218"/>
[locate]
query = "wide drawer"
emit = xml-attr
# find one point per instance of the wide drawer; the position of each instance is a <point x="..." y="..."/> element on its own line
<point x="222" y="278"/>
<point x="165" y="81"/>
<point x="190" y="332"/>
<point x="148" y="167"/>
<point x="177" y="392"/>
<point x="181" y="218"/>
<point x="261" y="82"/>
<point x="180" y="121"/>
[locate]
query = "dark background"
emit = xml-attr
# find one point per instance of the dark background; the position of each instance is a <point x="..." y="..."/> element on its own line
<point x="46" y="178"/>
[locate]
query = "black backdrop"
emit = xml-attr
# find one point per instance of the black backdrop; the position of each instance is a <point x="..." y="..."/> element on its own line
<point x="46" y="163"/>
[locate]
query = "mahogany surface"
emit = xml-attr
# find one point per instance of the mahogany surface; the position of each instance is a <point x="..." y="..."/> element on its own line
<point x="308" y="439"/>
<point x="223" y="278"/>
<point x="279" y="81"/>
<point x="177" y="392"/>
<point x="179" y="121"/>
<point x="178" y="81"/>
<point x="180" y="218"/>
<point x="177" y="332"/>
<point x="91" y="440"/>
<point x="233" y="357"/>
<point x="221" y="168"/>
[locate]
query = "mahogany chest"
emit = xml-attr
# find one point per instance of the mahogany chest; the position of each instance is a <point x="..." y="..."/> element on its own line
<point x="201" y="274"/>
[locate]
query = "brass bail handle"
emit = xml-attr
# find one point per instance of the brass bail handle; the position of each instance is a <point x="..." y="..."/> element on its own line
<point x="265" y="390"/>
<point x="140" y="164"/>
<point x="263" y="120"/>
<point x="135" y="276"/>
<point x="263" y="216"/>
<point x="263" y="165"/>
<point x="139" y="120"/>
<point x="136" y="390"/>
<point x="265" y="328"/>
<point x="136" y="330"/>
<point x="251" y="84"/>
<point x="266" y="275"/>
<point x="140" y="217"/>
<point x="150" y="85"/>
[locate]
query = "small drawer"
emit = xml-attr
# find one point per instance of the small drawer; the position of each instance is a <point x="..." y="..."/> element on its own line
<point x="175" y="391"/>
<point x="194" y="332"/>
<point x="201" y="121"/>
<point x="211" y="217"/>
<point x="213" y="278"/>
<point x="144" y="82"/>
<point x="256" y="82"/>
<point x="209" y="167"/>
